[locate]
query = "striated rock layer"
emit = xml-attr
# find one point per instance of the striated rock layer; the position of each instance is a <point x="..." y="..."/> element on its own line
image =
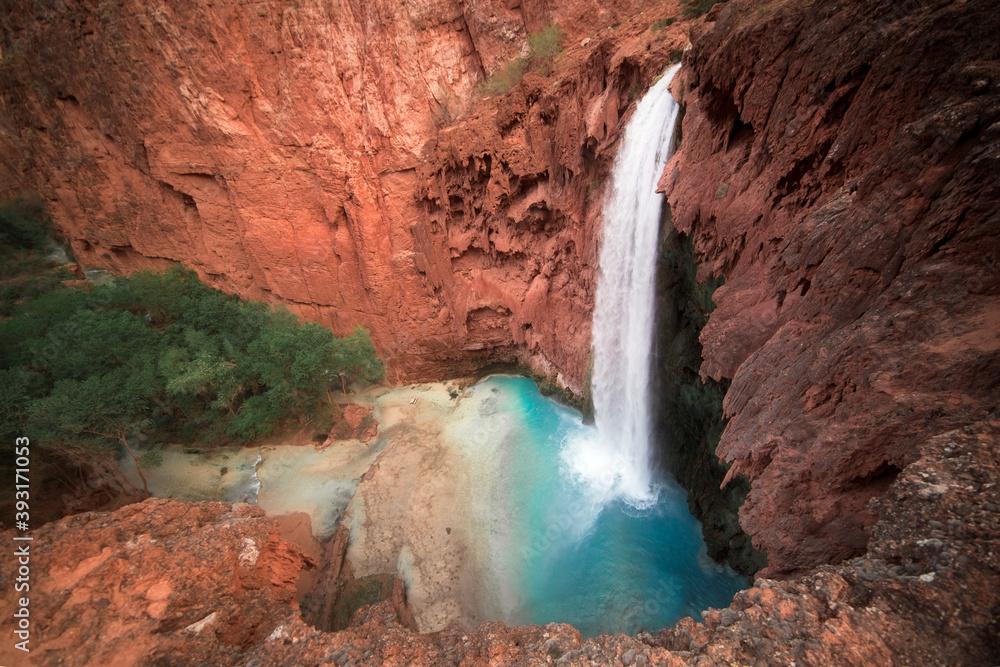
<point x="849" y="196"/>
<point x="301" y="154"/>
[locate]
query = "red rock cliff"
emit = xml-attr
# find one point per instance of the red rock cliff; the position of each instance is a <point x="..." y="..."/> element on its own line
<point x="280" y="150"/>
<point x="839" y="167"/>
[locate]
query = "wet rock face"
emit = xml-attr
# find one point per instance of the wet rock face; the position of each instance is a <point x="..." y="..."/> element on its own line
<point x="512" y="199"/>
<point x="275" y="148"/>
<point x="849" y="197"/>
<point x="688" y="414"/>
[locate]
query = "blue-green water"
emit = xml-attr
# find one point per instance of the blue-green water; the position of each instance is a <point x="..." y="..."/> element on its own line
<point x="565" y="548"/>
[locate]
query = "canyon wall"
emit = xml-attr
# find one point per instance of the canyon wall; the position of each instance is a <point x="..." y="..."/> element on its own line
<point x="839" y="168"/>
<point x="302" y="153"/>
<point x="334" y="158"/>
<point x="687" y="410"/>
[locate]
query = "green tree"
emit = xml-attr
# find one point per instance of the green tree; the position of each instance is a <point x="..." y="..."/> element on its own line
<point x="99" y="411"/>
<point x="85" y="369"/>
<point x="23" y="223"/>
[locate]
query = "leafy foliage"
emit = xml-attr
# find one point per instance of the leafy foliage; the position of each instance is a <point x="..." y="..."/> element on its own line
<point x="696" y="8"/>
<point x="151" y="458"/>
<point x="690" y="414"/>
<point x="543" y="49"/>
<point x="662" y="24"/>
<point x="24" y="272"/>
<point x="690" y="406"/>
<point x="82" y="369"/>
<point x="165" y="351"/>
<point x="22" y="224"/>
<point x="694" y="297"/>
<point x="506" y="77"/>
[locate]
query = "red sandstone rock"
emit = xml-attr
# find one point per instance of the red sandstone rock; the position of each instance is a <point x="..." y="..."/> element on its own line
<point x="355" y="417"/>
<point x="274" y="148"/>
<point x="114" y="588"/>
<point x="924" y="593"/>
<point x="858" y="318"/>
<point x="510" y="233"/>
<point x="849" y="197"/>
<point x="358" y="422"/>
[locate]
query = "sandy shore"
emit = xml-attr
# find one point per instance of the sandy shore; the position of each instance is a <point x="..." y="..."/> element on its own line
<point x="282" y="479"/>
<point x="410" y="514"/>
<point x="223" y="474"/>
<point x="407" y="496"/>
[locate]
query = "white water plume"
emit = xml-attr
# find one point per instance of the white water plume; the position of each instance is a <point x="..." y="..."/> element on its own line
<point x="616" y="461"/>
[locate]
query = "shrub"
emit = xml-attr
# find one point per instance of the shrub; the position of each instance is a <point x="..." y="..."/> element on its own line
<point x="151" y="458"/>
<point x="543" y="49"/>
<point x="505" y="78"/>
<point x="662" y="24"/>
<point x="88" y="368"/>
<point x="696" y="8"/>
<point x="81" y="370"/>
<point x="23" y="224"/>
<point x="25" y="272"/>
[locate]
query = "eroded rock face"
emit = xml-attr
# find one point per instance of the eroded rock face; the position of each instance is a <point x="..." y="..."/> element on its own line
<point x="847" y="194"/>
<point x="849" y="197"/>
<point x="282" y="150"/>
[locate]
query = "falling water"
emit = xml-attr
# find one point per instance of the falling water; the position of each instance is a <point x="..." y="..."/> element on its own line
<point x="255" y="483"/>
<point x="248" y="490"/>
<point x="616" y="463"/>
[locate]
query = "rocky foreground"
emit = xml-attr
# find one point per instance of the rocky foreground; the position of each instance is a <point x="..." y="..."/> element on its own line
<point x="164" y="582"/>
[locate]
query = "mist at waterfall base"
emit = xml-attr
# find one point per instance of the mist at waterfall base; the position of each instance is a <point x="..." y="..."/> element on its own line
<point x="595" y="536"/>
<point x="564" y="550"/>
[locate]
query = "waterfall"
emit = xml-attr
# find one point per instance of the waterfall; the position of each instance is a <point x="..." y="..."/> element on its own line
<point x="616" y="462"/>
<point x="254" y="479"/>
<point x="248" y="490"/>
